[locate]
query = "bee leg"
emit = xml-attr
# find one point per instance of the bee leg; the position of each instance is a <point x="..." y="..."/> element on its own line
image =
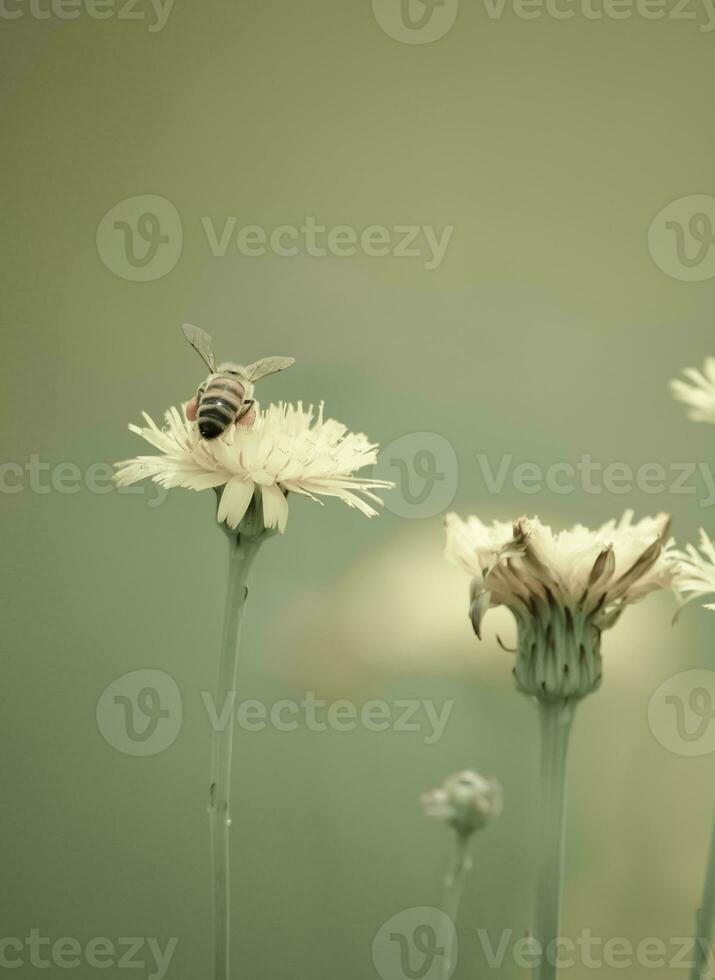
<point x="192" y="408"/>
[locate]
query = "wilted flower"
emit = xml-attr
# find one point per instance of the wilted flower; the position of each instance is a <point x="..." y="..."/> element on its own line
<point x="700" y="395"/>
<point x="564" y="589"/>
<point x="466" y="801"/>
<point x="287" y="448"/>
<point x="696" y="572"/>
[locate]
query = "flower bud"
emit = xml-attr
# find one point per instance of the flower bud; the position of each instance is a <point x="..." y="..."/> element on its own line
<point x="466" y="801"/>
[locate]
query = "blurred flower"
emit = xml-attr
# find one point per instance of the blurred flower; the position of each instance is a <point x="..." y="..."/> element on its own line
<point x="286" y="449"/>
<point x="466" y="801"/>
<point x="696" y="572"/>
<point x="700" y="395"/>
<point x="564" y="589"/>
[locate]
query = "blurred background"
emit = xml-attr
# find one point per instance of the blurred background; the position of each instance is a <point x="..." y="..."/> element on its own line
<point x="522" y="261"/>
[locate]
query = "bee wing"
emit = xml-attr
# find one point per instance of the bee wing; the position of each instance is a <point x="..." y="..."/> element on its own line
<point x="267" y="365"/>
<point x="202" y="344"/>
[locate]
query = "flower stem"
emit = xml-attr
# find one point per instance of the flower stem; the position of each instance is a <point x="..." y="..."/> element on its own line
<point x="453" y="886"/>
<point x="705" y="917"/>
<point x="556" y="720"/>
<point x="242" y="551"/>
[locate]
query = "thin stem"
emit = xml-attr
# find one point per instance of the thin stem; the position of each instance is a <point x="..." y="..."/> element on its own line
<point x="241" y="554"/>
<point x="453" y="887"/>
<point x="556" y="720"/>
<point x="705" y="917"/>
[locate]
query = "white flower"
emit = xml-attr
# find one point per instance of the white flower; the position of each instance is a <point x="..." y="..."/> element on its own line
<point x="700" y="395"/>
<point x="466" y="801"/>
<point x="287" y="448"/>
<point x="564" y="589"/>
<point x="607" y="568"/>
<point x="696" y="572"/>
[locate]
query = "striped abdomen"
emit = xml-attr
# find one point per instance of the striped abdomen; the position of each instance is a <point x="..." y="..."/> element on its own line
<point x="219" y="405"/>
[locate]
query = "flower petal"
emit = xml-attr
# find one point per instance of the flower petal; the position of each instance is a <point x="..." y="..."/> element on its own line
<point x="275" y="507"/>
<point x="236" y="496"/>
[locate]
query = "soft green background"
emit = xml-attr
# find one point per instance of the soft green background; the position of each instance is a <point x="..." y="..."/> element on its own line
<point x="547" y="332"/>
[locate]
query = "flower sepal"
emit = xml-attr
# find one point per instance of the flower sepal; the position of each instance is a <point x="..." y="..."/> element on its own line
<point x="558" y="657"/>
<point x="251" y="527"/>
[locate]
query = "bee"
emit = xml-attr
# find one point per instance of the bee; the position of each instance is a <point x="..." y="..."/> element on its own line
<point x="226" y="396"/>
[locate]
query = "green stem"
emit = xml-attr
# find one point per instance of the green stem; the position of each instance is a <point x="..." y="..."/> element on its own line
<point x="705" y="917"/>
<point x="453" y="887"/>
<point x="556" y="721"/>
<point x="241" y="554"/>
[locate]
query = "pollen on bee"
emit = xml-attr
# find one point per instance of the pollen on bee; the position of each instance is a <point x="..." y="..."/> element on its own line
<point x="249" y="418"/>
<point x="192" y="409"/>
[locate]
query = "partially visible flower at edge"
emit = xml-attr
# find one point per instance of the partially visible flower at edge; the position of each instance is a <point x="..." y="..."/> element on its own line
<point x="466" y="801"/>
<point x="700" y="394"/>
<point x="287" y="449"/>
<point x="564" y="589"/>
<point x="695" y="577"/>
